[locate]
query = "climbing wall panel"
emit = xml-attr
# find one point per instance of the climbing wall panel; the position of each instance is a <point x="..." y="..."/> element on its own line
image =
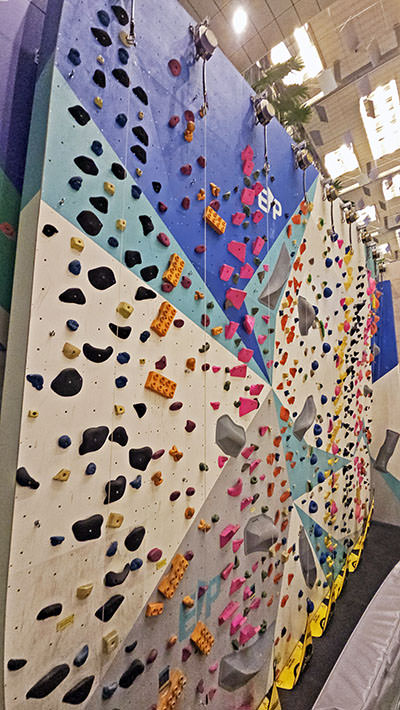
<point x="177" y="520"/>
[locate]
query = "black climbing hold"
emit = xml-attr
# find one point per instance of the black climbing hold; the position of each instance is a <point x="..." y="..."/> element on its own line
<point x="135" y="538"/>
<point x="97" y="148"/>
<point x="86" y="164"/>
<point x="73" y="295"/>
<point x="101" y="277"/>
<point x="14" y="664"/>
<point x="121" y="331"/>
<point x="142" y="294"/>
<point x="115" y="489"/>
<point x="123" y="55"/>
<point x="103" y="17"/>
<point x="74" y="56"/>
<point x="24" y="479"/>
<point x="119" y="435"/>
<point x="102" y="36"/>
<point x="49" y="230"/>
<point x="136" y="192"/>
<point x="134" y="670"/>
<point x="36" y="381"/>
<point x="140" y="409"/>
<point x="47" y="611"/>
<point x="148" y="273"/>
<point x="88" y="529"/>
<point x="99" y="78"/>
<point x="49" y="682"/>
<point x="89" y="222"/>
<point x="121" y="119"/>
<point x="99" y="203"/>
<point x="139" y="458"/>
<point x="156" y="185"/>
<point x="140" y="153"/>
<point x="79" y="692"/>
<point x="112" y="579"/>
<point x="93" y="439"/>
<point x="81" y="656"/>
<point x="132" y="258"/>
<point x="121" y="14"/>
<point x="141" y="134"/>
<point x="121" y="76"/>
<point x="131" y="647"/>
<point x="107" y="611"/>
<point x="141" y="94"/>
<point x="67" y="383"/>
<point x="119" y="171"/>
<point x="80" y="115"/>
<point x="96" y="354"/>
<point x="147" y="224"/>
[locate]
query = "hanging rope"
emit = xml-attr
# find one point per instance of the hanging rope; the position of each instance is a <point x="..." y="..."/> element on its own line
<point x="205" y="100"/>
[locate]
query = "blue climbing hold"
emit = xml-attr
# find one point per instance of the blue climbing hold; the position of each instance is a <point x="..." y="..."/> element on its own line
<point x="334" y="237"/>
<point x="112" y="549"/>
<point x="37" y="381"/>
<point x="313" y="507"/>
<point x="74" y="56"/>
<point x="317" y="429"/>
<point x="113" y="241"/>
<point x="310" y="606"/>
<point x="137" y="482"/>
<point x="136" y="564"/>
<point x="136" y="191"/>
<point x="318" y="530"/>
<point x="121" y="119"/>
<point x="327" y="292"/>
<point x="74" y="267"/>
<point x="121" y="381"/>
<point x="75" y="182"/>
<point x="103" y="17"/>
<point x="144" y="336"/>
<point x="97" y="148"/>
<point x="326" y="347"/>
<point x="64" y="441"/>
<point x="324" y="399"/>
<point x="123" y="55"/>
<point x="322" y="558"/>
<point x="314" y="365"/>
<point x="123" y="358"/>
<point x="56" y="540"/>
<point x="90" y="469"/>
<point x="300" y="594"/>
<point x="320" y="477"/>
<point x="313" y="459"/>
<point x="328" y="262"/>
<point x="318" y="442"/>
<point x="72" y="324"/>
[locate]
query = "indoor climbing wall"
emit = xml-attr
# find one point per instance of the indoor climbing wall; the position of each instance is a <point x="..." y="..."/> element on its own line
<point x="192" y="438"/>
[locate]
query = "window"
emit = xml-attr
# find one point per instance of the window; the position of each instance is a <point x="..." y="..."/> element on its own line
<point x="306" y="50"/>
<point x="391" y="187"/>
<point x="340" y="161"/>
<point x="366" y="215"/>
<point x="380" y="112"/>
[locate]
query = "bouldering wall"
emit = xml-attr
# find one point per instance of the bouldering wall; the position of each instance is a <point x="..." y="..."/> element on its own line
<point x="188" y="381"/>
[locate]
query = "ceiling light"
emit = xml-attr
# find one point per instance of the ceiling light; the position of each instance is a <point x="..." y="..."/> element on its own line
<point x="380" y="112"/>
<point x="391" y="187"/>
<point x="280" y="53"/>
<point x="239" y="20"/>
<point x="340" y="161"/>
<point x="308" y="53"/>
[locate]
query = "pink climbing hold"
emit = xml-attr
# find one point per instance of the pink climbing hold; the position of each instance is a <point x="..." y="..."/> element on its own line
<point x="248" y="167"/>
<point x="257" y="216"/>
<point x="226" y="572"/>
<point x="248" y="323"/>
<point x="225" y="272"/>
<point x="257" y="245"/>
<point x="229" y="611"/>
<point x="163" y="239"/>
<point x="211" y="693"/>
<point x="266" y="319"/>
<point x="215" y="405"/>
<point x="335" y="448"/>
<point x="236" y="544"/>
<point x="254" y="465"/>
<point x="238" y="371"/>
<point x="236" y="584"/>
<point x="238" y="218"/>
<point x="247" y="153"/>
<point x="247" y="593"/>
<point x="256" y="389"/>
<point x="247" y="196"/>
<point x="231" y="329"/>
<point x="245" y="502"/>
<point x="247" y="406"/>
<point x="215" y="204"/>
<point x="246" y="633"/>
<point x="238" y="249"/>
<point x="227" y="534"/>
<point x="236" y="297"/>
<point x="236" y="623"/>
<point x="245" y="354"/>
<point x="247" y="452"/>
<point x="215" y="368"/>
<point x="262" y="430"/>
<point x="340" y="243"/>
<point x="213" y="668"/>
<point x="236" y="489"/>
<point x="255" y="603"/>
<point x="222" y="461"/>
<point x="254" y="566"/>
<point x="261" y="339"/>
<point x="162" y="207"/>
<point x="258" y="187"/>
<point x="246" y="271"/>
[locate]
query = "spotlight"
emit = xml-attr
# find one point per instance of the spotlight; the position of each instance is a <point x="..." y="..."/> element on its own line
<point x="239" y="20"/>
<point x="204" y="39"/>
<point x="303" y="156"/>
<point x="264" y="111"/>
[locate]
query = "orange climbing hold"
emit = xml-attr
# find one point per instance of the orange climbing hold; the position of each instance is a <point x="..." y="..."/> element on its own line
<point x="202" y="638"/>
<point x="214" y="220"/>
<point x="162" y="322"/>
<point x="170" y="581"/>
<point x="160" y="384"/>
<point x="174" y="271"/>
<point x="284" y="414"/>
<point x="296" y="219"/>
